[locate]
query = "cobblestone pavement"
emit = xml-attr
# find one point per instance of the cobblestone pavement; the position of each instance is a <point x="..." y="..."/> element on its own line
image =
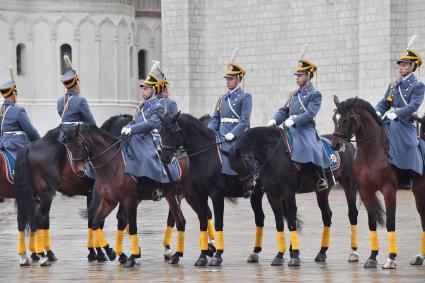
<point x="68" y="232"/>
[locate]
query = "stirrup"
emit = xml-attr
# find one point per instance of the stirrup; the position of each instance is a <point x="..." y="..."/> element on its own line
<point x="322" y="185"/>
<point x="157" y="194"/>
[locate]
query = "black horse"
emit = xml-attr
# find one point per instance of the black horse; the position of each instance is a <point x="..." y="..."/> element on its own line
<point x="42" y="168"/>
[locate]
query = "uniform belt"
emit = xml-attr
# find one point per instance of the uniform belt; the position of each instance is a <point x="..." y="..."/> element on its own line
<point x="229" y="120"/>
<point x="13" y="133"/>
<point x="72" y="123"/>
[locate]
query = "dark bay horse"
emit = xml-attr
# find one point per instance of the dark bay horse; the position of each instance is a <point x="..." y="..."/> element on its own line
<point x="357" y="118"/>
<point x="261" y="153"/>
<point x="87" y="142"/>
<point x="43" y="168"/>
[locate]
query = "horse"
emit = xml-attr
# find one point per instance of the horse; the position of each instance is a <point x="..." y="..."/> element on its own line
<point x="262" y="154"/>
<point x="44" y="167"/>
<point x="357" y="118"/>
<point x="87" y="142"/>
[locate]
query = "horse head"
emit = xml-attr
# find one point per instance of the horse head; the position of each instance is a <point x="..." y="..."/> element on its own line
<point x="170" y="133"/>
<point x="78" y="147"/>
<point x="245" y="165"/>
<point x="345" y="121"/>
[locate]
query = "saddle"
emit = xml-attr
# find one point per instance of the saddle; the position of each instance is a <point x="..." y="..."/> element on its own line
<point x="9" y="164"/>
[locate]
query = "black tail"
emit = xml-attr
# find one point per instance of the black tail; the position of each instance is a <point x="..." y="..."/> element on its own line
<point x="299" y="221"/>
<point x="379" y="211"/>
<point x="24" y="189"/>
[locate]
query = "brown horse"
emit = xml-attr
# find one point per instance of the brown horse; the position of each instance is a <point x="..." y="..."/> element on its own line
<point x="356" y="117"/>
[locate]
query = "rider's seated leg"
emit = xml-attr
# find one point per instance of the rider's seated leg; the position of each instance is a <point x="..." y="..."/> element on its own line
<point x="404" y="178"/>
<point x="322" y="183"/>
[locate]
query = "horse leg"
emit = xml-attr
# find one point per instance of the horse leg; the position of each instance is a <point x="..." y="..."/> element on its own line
<point x="390" y="206"/>
<point x="47" y="243"/>
<point x="211" y="235"/>
<point x="419" y="194"/>
<point x="323" y="202"/>
<point x="167" y="236"/>
<point x="42" y="219"/>
<point x="92" y="256"/>
<point x="218" y="204"/>
<point x="369" y="200"/>
<point x="119" y="236"/>
<point x="291" y="209"/>
<point x="103" y="211"/>
<point x="275" y="201"/>
<point x="257" y="207"/>
<point x="131" y="211"/>
<point x="177" y="214"/>
<point x="350" y="189"/>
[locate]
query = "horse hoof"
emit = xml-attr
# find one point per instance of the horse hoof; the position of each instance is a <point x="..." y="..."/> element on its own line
<point x="131" y="262"/>
<point x="253" y="258"/>
<point x="216" y="261"/>
<point x="51" y="256"/>
<point x="92" y="256"/>
<point x="389" y="264"/>
<point x="23" y="260"/>
<point x="35" y="257"/>
<point x="294" y="262"/>
<point x="122" y="258"/>
<point x="371" y="263"/>
<point x="168" y="254"/>
<point x="201" y="262"/>
<point x="278" y="261"/>
<point x="353" y="257"/>
<point x="111" y="254"/>
<point x="211" y="250"/>
<point x="174" y="259"/>
<point x="417" y="260"/>
<point x="100" y="257"/>
<point x="44" y="261"/>
<point x="320" y="257"/>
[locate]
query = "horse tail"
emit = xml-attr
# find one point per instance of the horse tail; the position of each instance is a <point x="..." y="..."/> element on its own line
<point x="299" y="221"/>
<point x="379" y="211"/>
<point x="231" y="201"/>
<point x="24" y="189"/>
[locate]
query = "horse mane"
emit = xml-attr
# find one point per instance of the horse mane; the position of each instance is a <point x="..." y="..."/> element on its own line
<point x="92" y="129"/>
<point x="347" y="105"/>
<point x="190" y="122"/>
<point x="108" y="123"/>
<point x="258" y="136"/>
<point x="52" y="135"/>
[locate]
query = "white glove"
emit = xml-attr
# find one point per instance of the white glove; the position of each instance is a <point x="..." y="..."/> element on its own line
<point x="271" y="123"/>
<point x="392" y="116"/>
<point x="229" y="136"/>
<point x="289" y="123"/>
<point x="378" y="113"/>
<point x="126" y="131"/>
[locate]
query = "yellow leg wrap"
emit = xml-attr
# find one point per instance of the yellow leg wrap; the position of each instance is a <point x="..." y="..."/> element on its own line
<point x="354" y="237"/>
<point x="374" y="245"/>
<point x="134" y="240"/>
<point x="90" y="238"/>
<point x="167" y="236"/>
<point x="281" y="242"/>
<point x="325" y="236"/>
<point x="39" y="241"/>
<point x="47" y="243"/>
<point x="211" y="230"/>
<point x="21" y="242"/>
<point x="259" y="237"/>
<point x="119" y="238"/>
<point x="100" y="238"/>
<point x="203" y="239"/>
<point x="392" y="243"/>
<point x="31" y="245"/>
<point x="294" y="240"/>
<point x="423" y="243"/>
<point x="180" y="242"/>
<point x="219" y="242"/>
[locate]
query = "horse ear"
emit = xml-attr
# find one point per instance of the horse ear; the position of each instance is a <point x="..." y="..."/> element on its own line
<point x="336" y="100"/>
<point x="176" y="117"/>
<point x="352" y="102"/>
<point x="161" y="117"/>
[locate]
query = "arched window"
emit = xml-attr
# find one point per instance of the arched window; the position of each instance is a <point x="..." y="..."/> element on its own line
<point x="20" y="59"/>
<point x="131" y="62"/>
<point x="141" y="62"/>
<point x="65" y="50"/>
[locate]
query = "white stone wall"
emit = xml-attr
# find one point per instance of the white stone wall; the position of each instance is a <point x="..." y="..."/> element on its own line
<point x="353" y="42"/>
<point x="104" y="36"/>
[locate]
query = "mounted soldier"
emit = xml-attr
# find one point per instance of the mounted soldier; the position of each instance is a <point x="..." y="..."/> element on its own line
<point x="232" y="112"/>
<point x="16" y="128"/>
<point x="141" y="156"/>
<point x="298" y="115"/>
<point x="403" y="98"/>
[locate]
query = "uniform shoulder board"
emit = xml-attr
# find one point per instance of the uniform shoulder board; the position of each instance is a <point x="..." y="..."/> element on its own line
<point x="220" y="99"/>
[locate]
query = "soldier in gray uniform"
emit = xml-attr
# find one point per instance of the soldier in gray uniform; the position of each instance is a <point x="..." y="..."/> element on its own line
<point x="232" y="113"/>
<point x="141" y="157"/>
<point x="404" y="97"/>
<point x="16" y="128"/>
<point x="298" y="116"/>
